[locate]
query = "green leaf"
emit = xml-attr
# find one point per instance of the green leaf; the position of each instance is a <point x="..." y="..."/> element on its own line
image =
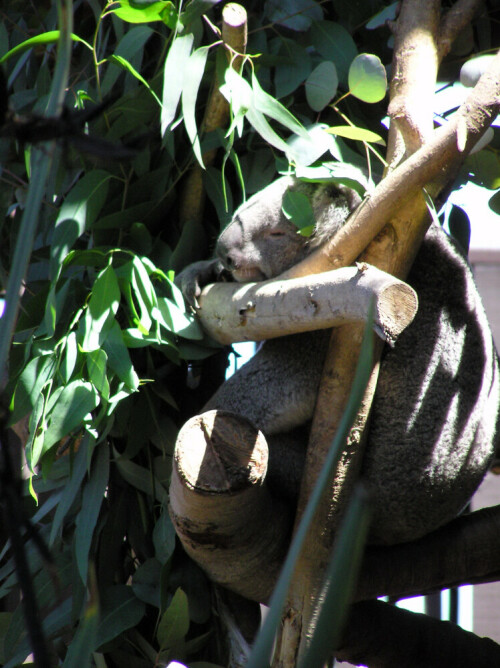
<point x="74" y="403"/>
<point x="50" y="37"/>
<point x="118" y="357"/>
<point x="164" y="538"/>
<point x="174" y="623"/>
<point x="102" y="307"/>
<point x="335" y="172"/>
<point x="80" y="208"/>
<point x="353" y="132"/>
<point x="69" y="358"/>
<point x="128" y="67"/>
<point x="294" y="69"/>
<point x="173" y="77"/>
<point x="93" y="495"/>
<point x="30" y="384"/>
<point x="142" y="479"/>
<point x="321" y="85"/>
<point x="340" y="580"/>
<point x="176" y="320"/>
<point x="146" y="582"/>
<point x="334" y="43"/>
<point x="192" y="80"/>
<point x="120" y="610"/>
<point x="162" y="10"/>
<point x="96" y="361"/>
<point x="71" y="488"/>
<point x="298" y="209"/>
<point x="269" y="106"/>
<point x="367" y="78"/>
<point x="263" y="645"/>
<point x="294" y="14"/>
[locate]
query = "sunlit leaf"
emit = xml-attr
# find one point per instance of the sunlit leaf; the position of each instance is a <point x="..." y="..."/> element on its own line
<point x="173" y="77"/>
<point x="128" y="67"/>
<point x="192" y="80"/>
<point x="353" y="132"/>
<point x="367" y="78"/>
<point x="163" y="10"/>
<point x="50" y="37"/>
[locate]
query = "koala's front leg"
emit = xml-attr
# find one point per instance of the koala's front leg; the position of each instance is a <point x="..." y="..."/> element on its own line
<point x="194" y="277"/>
<point x="277" y="388"/>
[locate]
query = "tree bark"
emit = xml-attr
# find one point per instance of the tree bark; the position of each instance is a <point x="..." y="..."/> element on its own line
<point x="232" y="312"/>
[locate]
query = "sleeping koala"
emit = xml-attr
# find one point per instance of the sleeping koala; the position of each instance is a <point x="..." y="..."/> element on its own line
<point x="436" y="412"/>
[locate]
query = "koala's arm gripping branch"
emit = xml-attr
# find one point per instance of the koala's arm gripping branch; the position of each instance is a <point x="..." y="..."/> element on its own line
<point x="257" y="311"/>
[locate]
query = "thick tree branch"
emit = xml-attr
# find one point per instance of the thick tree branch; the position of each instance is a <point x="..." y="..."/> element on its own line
<point x="383" y="636"/>
<point x="454" y="21"/>
<point x="232" y="312"/>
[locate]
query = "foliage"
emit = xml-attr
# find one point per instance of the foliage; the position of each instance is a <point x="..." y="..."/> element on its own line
<point x="104" y="351"/>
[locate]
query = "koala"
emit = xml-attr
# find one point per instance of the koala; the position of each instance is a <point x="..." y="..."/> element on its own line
<point x="436" y="412"/>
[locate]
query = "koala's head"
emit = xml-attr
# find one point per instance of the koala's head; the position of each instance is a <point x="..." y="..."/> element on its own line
<point x="260" y="242"/>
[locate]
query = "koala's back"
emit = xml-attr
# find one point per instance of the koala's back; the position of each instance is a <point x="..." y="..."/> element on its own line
<point x="435" y="419"/>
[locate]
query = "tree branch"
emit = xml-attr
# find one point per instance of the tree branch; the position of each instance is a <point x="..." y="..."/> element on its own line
<point x="383" y="636"/>
<point x="232" y="312"/>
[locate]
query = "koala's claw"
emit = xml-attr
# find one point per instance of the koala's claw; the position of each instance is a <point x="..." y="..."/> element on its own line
<point x="193" y="279"/>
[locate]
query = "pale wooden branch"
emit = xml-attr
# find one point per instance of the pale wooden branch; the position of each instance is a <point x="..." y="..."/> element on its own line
<point x="222" y="511"/>
<point x="411" y="94"/>
<point x="232" y="312"/>
<point x="234" y="38"/>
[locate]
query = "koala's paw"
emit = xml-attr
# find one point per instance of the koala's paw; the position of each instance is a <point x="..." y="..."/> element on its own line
<point x="194" y="277"/>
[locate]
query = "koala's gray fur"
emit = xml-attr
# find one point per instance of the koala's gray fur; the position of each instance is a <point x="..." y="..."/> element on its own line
<point x="436" y="413"/>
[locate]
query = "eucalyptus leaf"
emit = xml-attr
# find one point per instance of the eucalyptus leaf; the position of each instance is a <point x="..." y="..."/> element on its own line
<point x="92" y="498"/>
<point x="80" y="208"/>
<point x="335" y="44"/>
<point x="174" y="623"/>
<point x="173" y="77"/>
<point x="50" y="37"/>
<point x="192" y="79"/>
<point x="353" y="132"/>
<point x="118" y="357"/>
<point x="298" y="210"/>
<point x="75" y="402"/>
<point x="321" y="85"/>
<point x="163" y="10"/>
<point x="294" y="14"/>
<point x="120" y="610"/>
<point x="367" y="78"/>
<point x="30" y="383"/>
